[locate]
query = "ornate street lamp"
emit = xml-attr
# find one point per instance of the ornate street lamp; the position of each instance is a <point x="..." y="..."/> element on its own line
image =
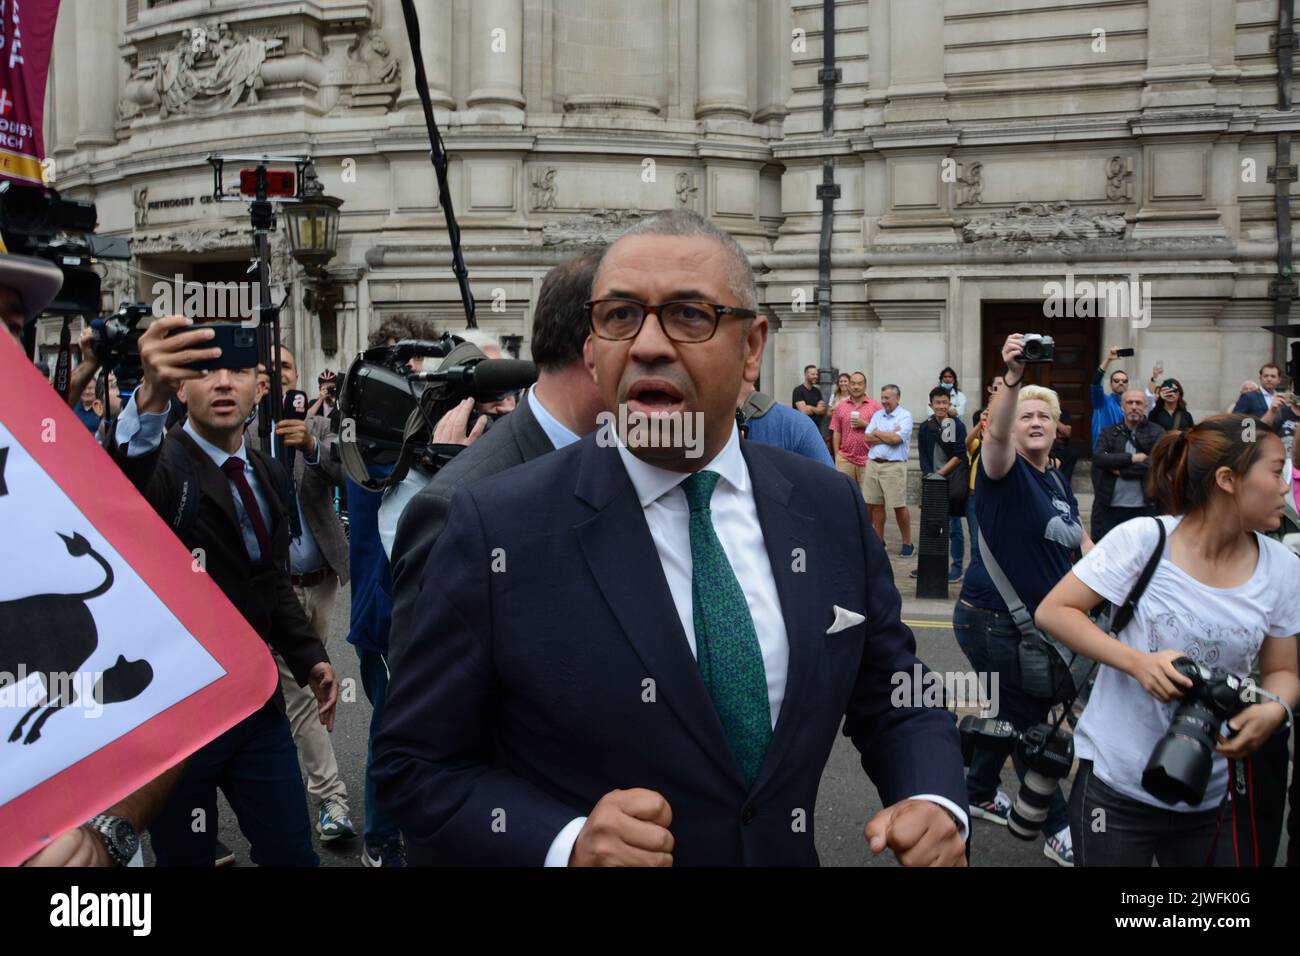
<point x="313" y="226"/>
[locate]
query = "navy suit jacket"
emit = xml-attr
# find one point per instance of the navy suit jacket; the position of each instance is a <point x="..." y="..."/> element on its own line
<point x="1252" y="403"/>
<point x="548" y="666"/>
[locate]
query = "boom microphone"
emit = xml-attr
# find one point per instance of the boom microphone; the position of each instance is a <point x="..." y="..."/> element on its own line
<point x="487" y="377"/>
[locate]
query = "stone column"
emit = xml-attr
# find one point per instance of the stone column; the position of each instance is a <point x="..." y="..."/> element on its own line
<point x="724" y="60"/>
<point x="1178" y="55"/>
<point x="773" y="61"/>
<point x="496" y="71"/>
<point x="435" y="44"/>
<point x="96" y="36"/>
<point x="63" y="66"/>
<point x="917" y="91"/>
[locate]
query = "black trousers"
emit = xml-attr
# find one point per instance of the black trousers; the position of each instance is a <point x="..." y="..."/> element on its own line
<point x="255" y="764"/>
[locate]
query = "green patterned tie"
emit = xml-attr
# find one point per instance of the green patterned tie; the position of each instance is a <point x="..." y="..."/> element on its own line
<point x="726" y="645"/>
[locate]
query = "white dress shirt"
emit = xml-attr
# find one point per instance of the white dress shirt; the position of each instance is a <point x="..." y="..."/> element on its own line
<point x="735" y="521"/>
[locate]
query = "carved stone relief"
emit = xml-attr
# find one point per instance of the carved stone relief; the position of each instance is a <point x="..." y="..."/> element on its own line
<point x="210" y="70"/>
<point x="1044" y="222"/>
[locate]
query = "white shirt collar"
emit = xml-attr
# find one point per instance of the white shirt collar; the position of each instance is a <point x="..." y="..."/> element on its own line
<point x="559" y="433"/>
<point x="652" y="482"/>
<point x="218" y="455"/>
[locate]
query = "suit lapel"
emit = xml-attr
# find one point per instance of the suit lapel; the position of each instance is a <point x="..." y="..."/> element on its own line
<point x="802" y="586"/>
<point x="621" y="554"/>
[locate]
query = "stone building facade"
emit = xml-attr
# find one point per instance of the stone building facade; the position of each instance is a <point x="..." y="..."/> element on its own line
<point x="983" y="150"/>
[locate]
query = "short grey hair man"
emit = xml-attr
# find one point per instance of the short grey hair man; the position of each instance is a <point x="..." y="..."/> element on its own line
<point x="686" y="222"/>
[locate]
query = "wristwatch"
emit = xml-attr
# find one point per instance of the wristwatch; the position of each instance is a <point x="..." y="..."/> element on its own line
<point x="121" y="839"/>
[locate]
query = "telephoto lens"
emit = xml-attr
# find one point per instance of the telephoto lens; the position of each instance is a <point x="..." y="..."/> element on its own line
<point x="1182" y="760"/>
<point x="1048" y="754"/>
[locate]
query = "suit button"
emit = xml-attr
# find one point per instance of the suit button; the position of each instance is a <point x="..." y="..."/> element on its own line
<point x="747" y="815"/>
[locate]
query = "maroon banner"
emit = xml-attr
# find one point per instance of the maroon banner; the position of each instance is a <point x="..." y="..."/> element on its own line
<point x="26" y="39"/>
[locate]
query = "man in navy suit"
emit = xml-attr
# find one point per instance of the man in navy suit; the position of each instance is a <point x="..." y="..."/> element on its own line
<point x="1257" y="399"/>
<point x="640" y="654"/>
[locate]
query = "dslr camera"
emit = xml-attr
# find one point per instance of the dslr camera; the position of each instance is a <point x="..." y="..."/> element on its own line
<point x="1039" y="349"/>
<point x="1048" y="755"/>
<point x="1180" y="764"/>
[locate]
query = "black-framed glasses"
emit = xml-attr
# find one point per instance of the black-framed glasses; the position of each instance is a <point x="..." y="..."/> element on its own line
<point x="683" y="320"/>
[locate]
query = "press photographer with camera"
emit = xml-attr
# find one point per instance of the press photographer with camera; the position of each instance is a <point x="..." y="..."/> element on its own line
<point x="1222" y="598"/>
<point x="1027" y="529"/>
<point x="228" y="504"/>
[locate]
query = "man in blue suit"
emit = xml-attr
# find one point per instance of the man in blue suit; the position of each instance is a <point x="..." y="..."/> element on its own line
<point x="639" y="653"/>
<point x="1258" y="399"/>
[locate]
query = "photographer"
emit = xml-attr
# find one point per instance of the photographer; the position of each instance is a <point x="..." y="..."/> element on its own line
<point x="237" y="522"/>
<point x="1223" y="595"/>
<point x="1029" y="519"/>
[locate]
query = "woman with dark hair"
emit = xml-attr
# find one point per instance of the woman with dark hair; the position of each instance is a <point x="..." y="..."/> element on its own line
<point x="956" y="398"/>
<point x="1223" y="595"/>
<point x="1171" y="412"/>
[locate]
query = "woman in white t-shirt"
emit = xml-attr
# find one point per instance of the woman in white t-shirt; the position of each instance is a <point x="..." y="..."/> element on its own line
<point x="1223" y="594"/>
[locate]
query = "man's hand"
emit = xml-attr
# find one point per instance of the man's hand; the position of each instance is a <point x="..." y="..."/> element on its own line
<point x="297" y="435"/>
<point x="166" y="361"/>
<point x="1138" y="457"/>
<point x="857" y="423"/>
<point x="626" y="828"/>
<point x="450" y="429"/>
<point x="80" y="847"/>
<point x="920" y="832"/>
<point x="326" y="689"/>
<point x="1111" y="354"/>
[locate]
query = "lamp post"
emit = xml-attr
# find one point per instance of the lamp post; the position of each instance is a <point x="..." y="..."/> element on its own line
<point x="313" y="226"/>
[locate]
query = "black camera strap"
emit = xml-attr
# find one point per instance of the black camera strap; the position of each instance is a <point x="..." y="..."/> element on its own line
<point x="1124" y="613"/>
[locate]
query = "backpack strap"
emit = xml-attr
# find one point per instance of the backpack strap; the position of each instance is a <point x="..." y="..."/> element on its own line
<point x="756" y="406"/>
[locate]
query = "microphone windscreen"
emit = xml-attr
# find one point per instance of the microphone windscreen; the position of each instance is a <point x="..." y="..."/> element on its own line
<point x="503" y="375"/>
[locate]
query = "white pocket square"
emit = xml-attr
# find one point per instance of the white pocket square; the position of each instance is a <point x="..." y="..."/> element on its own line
<point x="844" y="619"/>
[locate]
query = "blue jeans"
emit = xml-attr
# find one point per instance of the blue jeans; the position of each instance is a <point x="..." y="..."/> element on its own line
<point x="255" y="763"/>
<point x="381" y="829"/>
<point x="990" y="641"/>
<point x="956" y="542"/>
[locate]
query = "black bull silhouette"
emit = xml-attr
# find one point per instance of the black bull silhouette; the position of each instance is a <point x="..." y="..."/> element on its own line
<point x="53" y="635"/>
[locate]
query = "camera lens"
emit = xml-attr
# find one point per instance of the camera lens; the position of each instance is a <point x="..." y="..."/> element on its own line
<point x="1180" y="764"/>
<point x="1029" y="812"/>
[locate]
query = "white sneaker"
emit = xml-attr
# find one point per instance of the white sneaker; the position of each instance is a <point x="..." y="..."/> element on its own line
<point x="1059" y="848"/>
<point x="995" y="811"/>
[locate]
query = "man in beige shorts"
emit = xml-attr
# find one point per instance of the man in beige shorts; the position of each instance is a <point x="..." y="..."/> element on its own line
<point x="889" y="438"/>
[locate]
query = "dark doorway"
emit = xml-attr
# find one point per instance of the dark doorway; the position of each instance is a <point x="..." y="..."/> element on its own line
<point x="1078" y="350"/>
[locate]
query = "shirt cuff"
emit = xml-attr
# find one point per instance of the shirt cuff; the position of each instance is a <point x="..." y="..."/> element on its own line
<point x="140" y="433"/>
<point x="314" y="457"/>
<point x="963" y="821"/>
<point x="562" y="846"/>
